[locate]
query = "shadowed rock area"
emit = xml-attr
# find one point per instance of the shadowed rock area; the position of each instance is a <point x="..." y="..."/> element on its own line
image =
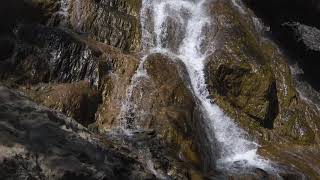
<point x="295" y="26"/>
<point x="77" y="100"/>
<point x="37" y="143"/>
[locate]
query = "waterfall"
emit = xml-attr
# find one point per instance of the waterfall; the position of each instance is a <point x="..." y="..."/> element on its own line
<point x="178" y="29"/>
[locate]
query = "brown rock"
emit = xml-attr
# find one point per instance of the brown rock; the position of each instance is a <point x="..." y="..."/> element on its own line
<point x="38" y="143"/>
<point x="114" y="22"/>
<point x="162" y="101"/>
<point x="114" y="87"/>
<point x="77" y="100"/>
<point x="250" y="79"/>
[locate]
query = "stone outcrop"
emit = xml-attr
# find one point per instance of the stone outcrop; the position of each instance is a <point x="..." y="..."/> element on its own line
<point x="114" y="22"/>
<point x="160" y="102"/>
<point x="71" y="72"/>
<point x="53" y="55"/>
<point x="77" y="100"/>
<point x="37" y="143"/>
<point x="249" y="75"/>
<point x="45" y="54"/>
<point x="250" y="79"/>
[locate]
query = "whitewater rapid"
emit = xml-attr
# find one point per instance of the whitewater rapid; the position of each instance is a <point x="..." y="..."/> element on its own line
<point x="179" y="29"/>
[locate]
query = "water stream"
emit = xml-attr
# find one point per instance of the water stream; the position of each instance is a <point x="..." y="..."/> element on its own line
<point x="180" y="29"/>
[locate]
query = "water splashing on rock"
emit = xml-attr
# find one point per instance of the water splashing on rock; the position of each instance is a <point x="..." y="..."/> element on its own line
<point x="182" y="30"/>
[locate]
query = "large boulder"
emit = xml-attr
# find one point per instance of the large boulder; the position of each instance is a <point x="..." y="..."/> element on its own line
<point x="254" y="93"/>
<point x="38" y="143"/>
<point x="248" y="76"/>
<point x="158" y="99"/>
<point x="250" y="80"/>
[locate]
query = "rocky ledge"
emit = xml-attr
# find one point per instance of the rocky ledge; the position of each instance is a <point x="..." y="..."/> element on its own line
<point x="39" y="143"/>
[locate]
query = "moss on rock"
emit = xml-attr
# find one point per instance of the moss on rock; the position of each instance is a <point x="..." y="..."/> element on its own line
<point x="250" y="79"/>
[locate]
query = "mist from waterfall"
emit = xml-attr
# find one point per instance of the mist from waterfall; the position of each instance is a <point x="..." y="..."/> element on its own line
<point x="180" y="29"/>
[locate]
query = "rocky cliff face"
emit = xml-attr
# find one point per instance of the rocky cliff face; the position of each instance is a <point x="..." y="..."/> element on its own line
<point x="250" y="74"/>
<point x="45" y="54"/>
<point x="251" y="80"/>
<point x="38" y="143"/>
<point x="114" y="22"/>
<point x="79" y="58"/>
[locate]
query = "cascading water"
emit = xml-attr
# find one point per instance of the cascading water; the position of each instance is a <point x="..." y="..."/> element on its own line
<point x="179" y="29"/>
<point x="64" y="6"/>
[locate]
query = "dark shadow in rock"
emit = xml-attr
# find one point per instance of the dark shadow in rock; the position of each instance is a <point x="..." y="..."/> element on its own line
<point x="277" y="13"/>
<point x="273" y="108"/>
<point x="13" y="12"/>
<point x="6" y="48"/>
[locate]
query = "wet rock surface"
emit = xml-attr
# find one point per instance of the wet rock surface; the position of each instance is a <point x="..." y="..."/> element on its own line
<point x="119" y="28"/>
<point x="38" y="143"/>
<point x="160" y="102"/>
<point x="249" y="78"/>
<point x="45" y="54"/>
<point x="249" y="74"/>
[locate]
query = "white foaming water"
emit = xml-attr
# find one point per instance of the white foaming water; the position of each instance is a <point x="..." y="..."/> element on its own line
<point x="127" y="111"/>
<point x="64" y="7"/>
<point x="190" y="16"/>
<point x="236" y="3"/>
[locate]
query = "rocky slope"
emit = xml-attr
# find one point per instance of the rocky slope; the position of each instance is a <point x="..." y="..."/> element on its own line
<point x="38" y="143"/>
<point x="81" y="58"/>
<point x="248" y="73"/>
<point x="251" y="80"/>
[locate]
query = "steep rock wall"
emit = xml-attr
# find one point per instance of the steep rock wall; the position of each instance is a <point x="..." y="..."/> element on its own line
<point x="114" y="22"/>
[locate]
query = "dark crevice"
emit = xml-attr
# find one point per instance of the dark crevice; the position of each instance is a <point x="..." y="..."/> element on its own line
<point x="273" y="108"/>
<point x="13" y="12"/>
